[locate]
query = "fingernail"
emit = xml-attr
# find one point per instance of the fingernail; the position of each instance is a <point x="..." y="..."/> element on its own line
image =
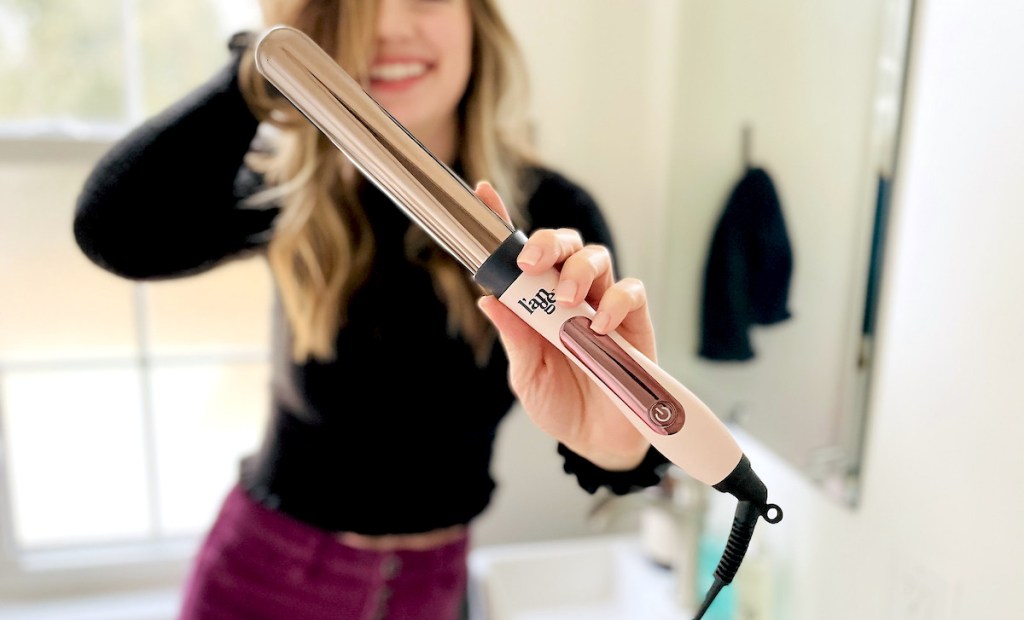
<point x="600" y="322"/>
<point x="565" y="291"/>
<point x="529" y="256"/>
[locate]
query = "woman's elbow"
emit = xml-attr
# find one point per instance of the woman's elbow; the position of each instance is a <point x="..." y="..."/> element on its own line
<point x="106" y="242"/>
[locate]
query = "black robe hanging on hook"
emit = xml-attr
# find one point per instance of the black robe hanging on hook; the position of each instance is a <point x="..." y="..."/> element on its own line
<point x="748" y="269"/>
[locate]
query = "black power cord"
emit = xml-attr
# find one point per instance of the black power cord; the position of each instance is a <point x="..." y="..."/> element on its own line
<point x="744" y="484"/>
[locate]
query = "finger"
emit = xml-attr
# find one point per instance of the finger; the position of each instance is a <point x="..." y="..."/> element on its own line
<point x="547" y="248"/>
<point x="623" y="304"/>
<point x="486" y="193"/>
<point x="585" y="274"/>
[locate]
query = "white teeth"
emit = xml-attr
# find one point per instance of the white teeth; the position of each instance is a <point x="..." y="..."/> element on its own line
<point x="398" y="71"/>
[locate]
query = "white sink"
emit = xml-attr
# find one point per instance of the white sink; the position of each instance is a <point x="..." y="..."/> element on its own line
<point x="596" y="578"/>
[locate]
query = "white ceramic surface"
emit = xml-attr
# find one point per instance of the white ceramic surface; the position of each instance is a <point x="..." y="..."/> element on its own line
<point x="596" y="578"/>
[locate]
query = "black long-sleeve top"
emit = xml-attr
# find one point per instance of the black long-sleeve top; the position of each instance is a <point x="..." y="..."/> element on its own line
<point x="395" y="435"/>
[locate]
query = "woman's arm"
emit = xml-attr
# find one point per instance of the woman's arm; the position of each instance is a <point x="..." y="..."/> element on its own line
<point x="162" y="201"/>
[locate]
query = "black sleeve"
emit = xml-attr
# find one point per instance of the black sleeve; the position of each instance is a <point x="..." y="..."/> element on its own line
<point x="560" y="203"/>
<point x="162" y="202"/>
<point x="590" y="477"/>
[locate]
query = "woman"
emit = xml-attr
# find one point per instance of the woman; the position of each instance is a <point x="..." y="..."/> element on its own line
<point x="359" y="502"/>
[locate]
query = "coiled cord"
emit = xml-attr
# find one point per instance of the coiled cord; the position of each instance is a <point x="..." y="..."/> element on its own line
<point x="742" y="532"/>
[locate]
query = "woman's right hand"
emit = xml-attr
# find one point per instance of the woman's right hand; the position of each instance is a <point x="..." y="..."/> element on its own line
<point x="557" y="395"/>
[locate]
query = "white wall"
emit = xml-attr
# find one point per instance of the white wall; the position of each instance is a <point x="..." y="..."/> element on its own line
<point x="601" y="77"/>
<point x="937" y="535"/>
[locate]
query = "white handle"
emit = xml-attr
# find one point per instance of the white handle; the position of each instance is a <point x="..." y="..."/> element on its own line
<point x="693" y="438"/>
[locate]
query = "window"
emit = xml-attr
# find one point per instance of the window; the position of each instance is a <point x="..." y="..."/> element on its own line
<point x="124" y="407"/>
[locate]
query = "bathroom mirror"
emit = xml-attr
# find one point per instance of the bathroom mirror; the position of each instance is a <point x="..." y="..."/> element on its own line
<point x="811" y="93"/>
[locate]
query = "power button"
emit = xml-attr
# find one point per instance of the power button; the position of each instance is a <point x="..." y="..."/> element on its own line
<point x="666" y="415"/>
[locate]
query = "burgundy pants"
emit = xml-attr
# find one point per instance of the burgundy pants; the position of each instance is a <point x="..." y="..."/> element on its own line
<point x="259" y="564"/>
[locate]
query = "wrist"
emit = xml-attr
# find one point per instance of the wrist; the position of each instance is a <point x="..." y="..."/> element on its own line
<point x="615" y="461"/>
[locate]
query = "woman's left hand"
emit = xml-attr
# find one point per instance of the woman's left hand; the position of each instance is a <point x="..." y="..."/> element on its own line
<point x="559" y="397"/>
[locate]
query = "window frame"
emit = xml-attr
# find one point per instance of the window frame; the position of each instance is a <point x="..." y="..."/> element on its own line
<point x="156" y="561"/>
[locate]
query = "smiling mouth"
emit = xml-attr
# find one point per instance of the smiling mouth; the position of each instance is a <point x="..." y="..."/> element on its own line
<point x="394" y="73"/>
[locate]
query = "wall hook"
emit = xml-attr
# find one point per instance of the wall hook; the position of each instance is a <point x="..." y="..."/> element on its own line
<point x="747" y="146"/>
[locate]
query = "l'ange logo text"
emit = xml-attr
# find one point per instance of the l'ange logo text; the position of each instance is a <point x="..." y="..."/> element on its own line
<point x="543" y="300"/>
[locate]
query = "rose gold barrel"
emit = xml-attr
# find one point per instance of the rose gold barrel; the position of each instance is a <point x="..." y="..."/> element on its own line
<point x="427" y="190"/>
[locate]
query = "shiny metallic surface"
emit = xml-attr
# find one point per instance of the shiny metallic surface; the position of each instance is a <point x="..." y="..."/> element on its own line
<point x="425" y="188"/>
<point x="627" y="379"/>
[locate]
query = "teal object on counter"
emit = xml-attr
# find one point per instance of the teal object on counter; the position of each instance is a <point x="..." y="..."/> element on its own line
<point x="708" y="555"/>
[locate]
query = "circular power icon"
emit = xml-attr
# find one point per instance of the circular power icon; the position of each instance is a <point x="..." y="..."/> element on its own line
<point x="666" y="415"/>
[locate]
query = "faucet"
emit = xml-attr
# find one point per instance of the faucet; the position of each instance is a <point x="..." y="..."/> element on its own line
<point x="609" y="508"/>
<point x="670" y="519"/>
<point x="671" y="525"/>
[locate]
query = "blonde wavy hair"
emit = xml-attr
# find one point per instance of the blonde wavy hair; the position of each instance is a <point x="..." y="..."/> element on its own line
<point x="322" y="246"/>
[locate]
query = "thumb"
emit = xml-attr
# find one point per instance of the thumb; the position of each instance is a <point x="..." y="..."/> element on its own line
<point x="487" y="194"/>
<point x="522" y="343"/>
